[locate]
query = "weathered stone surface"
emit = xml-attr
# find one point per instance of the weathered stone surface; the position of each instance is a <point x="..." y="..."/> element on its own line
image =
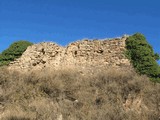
<point x="81" y="53"/>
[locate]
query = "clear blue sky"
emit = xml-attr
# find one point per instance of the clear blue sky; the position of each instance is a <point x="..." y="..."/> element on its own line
<point x="64" y="21"/>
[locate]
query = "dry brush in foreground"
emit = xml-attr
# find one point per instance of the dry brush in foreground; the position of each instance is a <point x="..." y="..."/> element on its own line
<point x="76" y="94"/>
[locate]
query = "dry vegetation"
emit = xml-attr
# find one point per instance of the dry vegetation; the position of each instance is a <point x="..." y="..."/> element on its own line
<point x="74" y="94"/>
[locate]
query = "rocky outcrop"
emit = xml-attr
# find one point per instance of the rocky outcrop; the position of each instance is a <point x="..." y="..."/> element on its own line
<point x="81" y="53"/>
<point x="135" y="104"/>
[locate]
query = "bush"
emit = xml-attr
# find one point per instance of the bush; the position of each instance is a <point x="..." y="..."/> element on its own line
<point x="14" y="51"/>
<point x="142" y="56"/>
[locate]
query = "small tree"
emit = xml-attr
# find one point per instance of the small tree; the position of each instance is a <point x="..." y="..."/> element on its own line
<point x="142" y="56"/>
<point x="14" y="51"/>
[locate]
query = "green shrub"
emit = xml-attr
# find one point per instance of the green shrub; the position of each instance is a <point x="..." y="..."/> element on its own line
<point x="142" y="56"/>
<point x="14" y="51"/>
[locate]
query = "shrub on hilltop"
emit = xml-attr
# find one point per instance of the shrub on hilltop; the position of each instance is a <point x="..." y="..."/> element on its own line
<point x="142" y="56"/>
<point x="14" y="51"/>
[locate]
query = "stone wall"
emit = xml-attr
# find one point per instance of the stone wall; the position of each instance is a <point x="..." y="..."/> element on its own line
<point x="84" y="53"/>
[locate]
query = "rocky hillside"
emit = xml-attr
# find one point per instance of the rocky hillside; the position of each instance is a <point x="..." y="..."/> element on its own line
<point x="86" y="80"/>
<point x="84" y="53"/>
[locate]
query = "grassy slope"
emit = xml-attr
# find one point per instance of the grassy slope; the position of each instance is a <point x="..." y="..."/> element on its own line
<point x="74" y="94"/>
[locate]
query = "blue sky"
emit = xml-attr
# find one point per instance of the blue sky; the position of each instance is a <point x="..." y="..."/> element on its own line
<point x="64" y="21"/>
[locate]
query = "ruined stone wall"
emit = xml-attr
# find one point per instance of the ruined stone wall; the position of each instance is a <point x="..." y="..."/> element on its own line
<point x="83" y="53"/>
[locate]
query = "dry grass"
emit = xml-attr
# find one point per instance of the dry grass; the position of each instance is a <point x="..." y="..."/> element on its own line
<point x="77" y="94"/>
